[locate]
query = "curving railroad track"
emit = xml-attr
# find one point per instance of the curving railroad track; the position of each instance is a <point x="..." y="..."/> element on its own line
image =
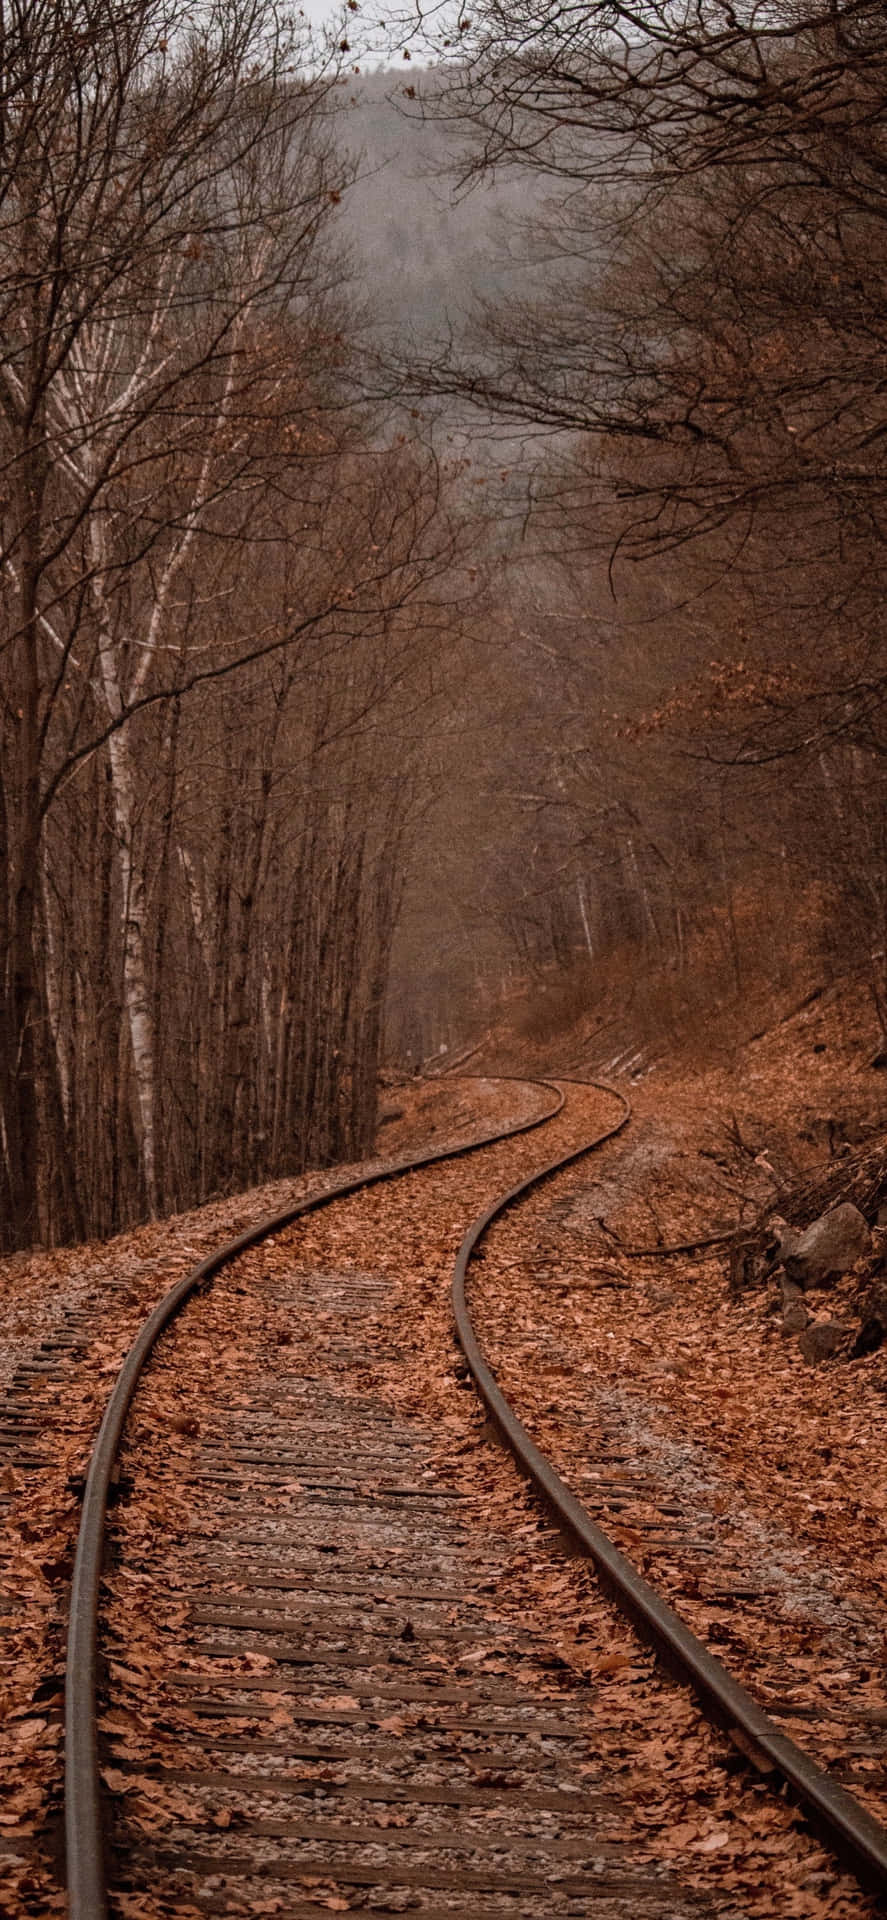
<point x="315" y="1660"/>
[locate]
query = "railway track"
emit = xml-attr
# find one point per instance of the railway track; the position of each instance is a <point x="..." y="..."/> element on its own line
<point x="67" y="1324"/>
<point x="803" y="1629"/>
<point x="332" y="1674"/>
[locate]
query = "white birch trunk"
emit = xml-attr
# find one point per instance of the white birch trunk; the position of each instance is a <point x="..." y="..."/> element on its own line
<point x="95" y="393"/>
<point x="199" y="921"/>
<point x="136" y="969"/>
<point x="136" y="972"/>
<point x="583" y="911"/>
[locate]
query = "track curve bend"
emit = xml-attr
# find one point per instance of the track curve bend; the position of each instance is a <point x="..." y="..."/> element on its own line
<point x="84" y="1843"/>
<point x="437" y="1721"/>
<point x="846" y="1826"/>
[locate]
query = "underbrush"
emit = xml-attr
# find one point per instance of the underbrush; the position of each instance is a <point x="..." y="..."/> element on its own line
<point x="559" y="1001"/>
<point x="735" y="977"/>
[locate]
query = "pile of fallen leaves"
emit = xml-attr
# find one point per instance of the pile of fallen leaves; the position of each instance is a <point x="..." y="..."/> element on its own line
<point x="571" y="1308"/>
<point x="683" y="1790"/>
<point x="610" y="1318"/>
<point x="111" y="1287"/>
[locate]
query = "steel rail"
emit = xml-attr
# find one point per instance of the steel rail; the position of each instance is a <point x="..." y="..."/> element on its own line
<point x="852" y="1833"/>
<point x="84" y="1839"/>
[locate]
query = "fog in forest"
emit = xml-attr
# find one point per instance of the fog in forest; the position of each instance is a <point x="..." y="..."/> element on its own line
<point x="442" y="542"/>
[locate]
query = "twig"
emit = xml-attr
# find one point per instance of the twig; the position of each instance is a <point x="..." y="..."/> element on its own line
<point x="660" y="1253"/>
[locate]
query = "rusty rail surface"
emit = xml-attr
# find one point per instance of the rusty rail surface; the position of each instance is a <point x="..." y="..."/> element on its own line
<point x="853" y="1834"/>
<point x="84" y="1844"/>
<point x="842" y="1822"/>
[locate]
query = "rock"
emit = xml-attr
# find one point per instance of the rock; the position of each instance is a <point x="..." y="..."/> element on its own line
<point x="795" y="1317"/>
<point x="831" y="1246"/>
<point x="781" y="1240"/>
<point x="794" y="1313"/>
<point x="873" y="1314"/>
<point x="823" y="1338"/>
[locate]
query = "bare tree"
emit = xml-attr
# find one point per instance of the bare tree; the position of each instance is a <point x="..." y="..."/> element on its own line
<point x="176" y="427"/>
<point x="699" y="357"/>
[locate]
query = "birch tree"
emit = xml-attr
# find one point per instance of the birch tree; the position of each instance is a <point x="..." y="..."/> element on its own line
<point x="163" y="190"/>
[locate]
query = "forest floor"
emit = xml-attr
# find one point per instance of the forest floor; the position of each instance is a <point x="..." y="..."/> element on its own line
<point x="782" y="1460"/>
<point x="729" y="1128"/>
<point x="692" y="1391"/>
<point x="67" y="1319"/>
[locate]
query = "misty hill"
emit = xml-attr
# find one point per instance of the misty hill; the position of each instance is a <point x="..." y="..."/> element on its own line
<point x="424" y="247"/>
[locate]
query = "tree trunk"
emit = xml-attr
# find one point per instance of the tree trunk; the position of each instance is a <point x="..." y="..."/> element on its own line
<point x="136" y="958"/>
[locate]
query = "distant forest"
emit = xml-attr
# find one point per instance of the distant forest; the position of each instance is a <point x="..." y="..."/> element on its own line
<point x="424" y="249"/>
<point x="663" y="782"/>
<point x="442" y="549"/>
